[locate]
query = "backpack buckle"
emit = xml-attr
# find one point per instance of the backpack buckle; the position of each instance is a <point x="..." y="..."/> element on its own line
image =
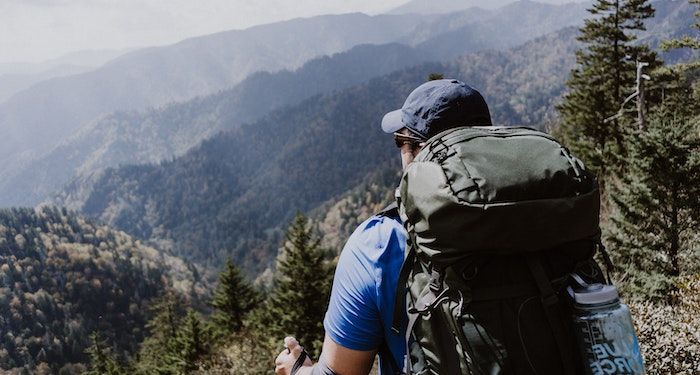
<point x="435" y="281"/>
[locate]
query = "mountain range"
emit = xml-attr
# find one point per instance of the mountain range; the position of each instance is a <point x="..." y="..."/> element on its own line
<point x="233" y="194"/>
<point x="37" y="119"/>
<point x="128" y="137"/>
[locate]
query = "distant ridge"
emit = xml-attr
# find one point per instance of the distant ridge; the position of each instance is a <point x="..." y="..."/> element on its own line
<point x="231" y="195"/>
<point x="128" y="137"/>
<point x="446" y="6"/>
<point x="35" y="120"/>
<point x="432" y="7"/>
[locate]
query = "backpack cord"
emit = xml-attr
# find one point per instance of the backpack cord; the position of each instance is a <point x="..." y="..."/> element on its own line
<point x="609" y="266"/>
<point x="520" y="335"/>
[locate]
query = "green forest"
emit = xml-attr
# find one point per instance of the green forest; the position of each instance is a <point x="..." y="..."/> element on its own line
<point x="64" y="277"/>
<point x="193" y="265"/>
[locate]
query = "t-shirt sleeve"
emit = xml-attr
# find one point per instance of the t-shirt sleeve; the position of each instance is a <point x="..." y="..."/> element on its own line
<point x="353" y="318"/>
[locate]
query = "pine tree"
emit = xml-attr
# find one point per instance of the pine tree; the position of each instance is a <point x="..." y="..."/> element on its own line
<point x="159" y="351"/>
<point x="192" y="343"/>
<point x="658" y="211"/>
<point x="233" y="299"/>
<point x="603" y="78"/>
<point x="101" y="361"/>
<point x="656" y="220"/>
<point x="298" y="300"/>
<point x="435" y="76"/>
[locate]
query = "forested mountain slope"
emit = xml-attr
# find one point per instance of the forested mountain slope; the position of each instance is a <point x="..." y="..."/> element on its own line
<point x="160" y="134"/>
<point x="231" y="194"/>
<point x="63" y="277"/>
<point x="673" y="19"/>
<point x="454" y="34"/>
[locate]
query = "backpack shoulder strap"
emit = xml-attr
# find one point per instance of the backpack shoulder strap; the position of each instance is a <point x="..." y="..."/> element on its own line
<point x="386" y="353"/>
<point x="391" y="211"/>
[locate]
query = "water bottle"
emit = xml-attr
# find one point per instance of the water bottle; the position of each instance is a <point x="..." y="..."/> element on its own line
<point x="605" y="332"/>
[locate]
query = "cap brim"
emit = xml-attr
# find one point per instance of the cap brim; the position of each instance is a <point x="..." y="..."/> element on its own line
<point x="392" y="121"/>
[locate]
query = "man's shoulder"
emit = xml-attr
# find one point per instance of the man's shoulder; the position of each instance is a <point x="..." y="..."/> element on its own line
<point x="374" y="240"/>
<point x="377" y="229"/>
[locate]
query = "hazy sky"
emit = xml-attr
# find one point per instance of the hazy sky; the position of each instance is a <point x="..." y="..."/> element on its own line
<point x="37" y="30"/>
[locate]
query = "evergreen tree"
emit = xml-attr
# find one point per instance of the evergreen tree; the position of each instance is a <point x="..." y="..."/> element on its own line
<point x="233" y="299"/>
<point x="298" y="300"/>
<point x="101" y="361"/>
<point x="658" y="211"/>
<point x="603" y="78"/>
<point x="192" y="343"/>
<point x="159" y="351"/>
<point x="435" y="76"/>
<point x="656" y="222"/>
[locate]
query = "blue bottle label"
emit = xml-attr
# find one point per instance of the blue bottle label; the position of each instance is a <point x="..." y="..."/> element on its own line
<point x="610" y="345"/>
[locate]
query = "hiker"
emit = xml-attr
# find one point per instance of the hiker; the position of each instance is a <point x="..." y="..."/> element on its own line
<point x="359" y="317"/>
<point x="490" y="247"/>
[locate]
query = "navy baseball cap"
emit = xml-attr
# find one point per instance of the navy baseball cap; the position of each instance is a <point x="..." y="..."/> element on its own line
<point x="436" y="106"/>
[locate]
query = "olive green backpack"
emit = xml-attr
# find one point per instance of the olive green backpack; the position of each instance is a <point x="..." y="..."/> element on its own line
<point x="499" y="218"/>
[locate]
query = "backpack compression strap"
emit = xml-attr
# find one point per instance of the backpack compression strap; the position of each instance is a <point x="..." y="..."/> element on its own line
<point x="550" y="303"/>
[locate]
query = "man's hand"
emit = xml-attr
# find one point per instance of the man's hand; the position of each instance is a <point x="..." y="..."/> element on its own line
<point x="285" y="360"/>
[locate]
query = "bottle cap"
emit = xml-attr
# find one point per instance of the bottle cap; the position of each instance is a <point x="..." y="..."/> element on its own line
<point x="596" y="294"/>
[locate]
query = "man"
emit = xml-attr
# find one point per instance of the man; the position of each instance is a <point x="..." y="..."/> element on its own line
<point x="359" y="317"/>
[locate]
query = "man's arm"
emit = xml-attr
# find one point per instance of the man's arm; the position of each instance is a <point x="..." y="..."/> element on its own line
<point x="352" y="323"/>
<point x="334" y="357"/>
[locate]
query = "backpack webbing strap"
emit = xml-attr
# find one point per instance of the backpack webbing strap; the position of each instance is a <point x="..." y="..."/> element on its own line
<point x="550" y="303"/>
<point x="412" y="319"/>
<point x="386" y="353"/>
<point x="400" y="298"/>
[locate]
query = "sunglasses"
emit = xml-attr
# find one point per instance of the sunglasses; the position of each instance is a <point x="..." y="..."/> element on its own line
<point x="404" y="139"/>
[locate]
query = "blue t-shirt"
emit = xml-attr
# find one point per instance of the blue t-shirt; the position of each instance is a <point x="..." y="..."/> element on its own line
<point x="361" y="307"/>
